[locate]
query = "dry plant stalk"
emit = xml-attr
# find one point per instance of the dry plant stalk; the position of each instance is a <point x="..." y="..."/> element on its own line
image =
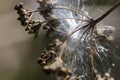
<point x="52" y="58"/>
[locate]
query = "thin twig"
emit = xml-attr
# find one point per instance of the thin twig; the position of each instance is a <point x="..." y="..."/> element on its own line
<point x="74" y="10"/>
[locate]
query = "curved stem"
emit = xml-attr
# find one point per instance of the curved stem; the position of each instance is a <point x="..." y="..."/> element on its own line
<point x="74" y="10"/>
<point x="71" y="18"/>
<point x="91" y="49"/>
<point x="64" y="19"/>
<point x="33" y="11"/>
<point x="66" y="8"/>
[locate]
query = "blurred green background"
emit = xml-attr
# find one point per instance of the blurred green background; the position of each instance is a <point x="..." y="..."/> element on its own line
<point x="19" y="51"/>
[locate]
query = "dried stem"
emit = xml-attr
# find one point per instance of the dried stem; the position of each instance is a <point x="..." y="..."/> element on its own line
<point x="74" y="10"/>
<point x="107" y="13"/>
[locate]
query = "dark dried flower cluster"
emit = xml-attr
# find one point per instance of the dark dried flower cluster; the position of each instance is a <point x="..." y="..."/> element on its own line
<point x="46" y="57"/>
<point x="51" y="61"/>
<point x="25" y="17"/>
<point x="50" y="54"/>
<point x="32" y="26"/>
<point x="23" y="14"/>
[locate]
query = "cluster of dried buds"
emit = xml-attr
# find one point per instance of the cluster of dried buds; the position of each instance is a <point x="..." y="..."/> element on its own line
<point x="50" y="54"/>
<point x="25" y="17"/>
<point x="46" y="57"/>
<point x="23" y="14"/>
<point x="51" y="62"/>
<point x="50" y="22"/>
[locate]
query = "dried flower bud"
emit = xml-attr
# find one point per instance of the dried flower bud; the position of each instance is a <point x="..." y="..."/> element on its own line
<point x="46" y="57"/>
<point x="17" y="7"/>
<point x="24" y="15"/>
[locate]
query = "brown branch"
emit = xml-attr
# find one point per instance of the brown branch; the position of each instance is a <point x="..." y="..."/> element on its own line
<point x="107" y="13"/>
